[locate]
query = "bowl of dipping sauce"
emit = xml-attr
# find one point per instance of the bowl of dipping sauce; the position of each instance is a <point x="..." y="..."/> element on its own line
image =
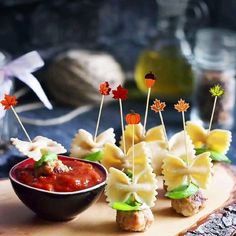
<point x="59" y="196"/>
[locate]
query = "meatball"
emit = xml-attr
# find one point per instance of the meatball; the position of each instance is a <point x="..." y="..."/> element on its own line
<point x="190" y="205"/>
<point x="52" y="167"/>
<point x="137" y="221"/>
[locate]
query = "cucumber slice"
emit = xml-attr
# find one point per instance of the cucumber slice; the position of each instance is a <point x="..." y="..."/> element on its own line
<point x="182" y="191"/>
<point x="46" y="158"/>
<point x="215" y="156"/>
<point x="122" y="206"/>
<point x="95" y="156"/>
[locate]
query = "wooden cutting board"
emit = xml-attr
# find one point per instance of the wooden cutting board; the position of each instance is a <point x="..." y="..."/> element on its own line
<point x="16" y="219"/>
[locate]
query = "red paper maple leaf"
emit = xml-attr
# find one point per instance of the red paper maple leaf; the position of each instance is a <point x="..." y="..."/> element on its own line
<point x="8" y="101"/>
<point x="120" y="93"/>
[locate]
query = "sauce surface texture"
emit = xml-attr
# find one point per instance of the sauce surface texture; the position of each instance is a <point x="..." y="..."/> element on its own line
<point x="83" y="175"/>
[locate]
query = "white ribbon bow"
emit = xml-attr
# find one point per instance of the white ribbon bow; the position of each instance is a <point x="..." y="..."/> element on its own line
<point x="22" y="68"/>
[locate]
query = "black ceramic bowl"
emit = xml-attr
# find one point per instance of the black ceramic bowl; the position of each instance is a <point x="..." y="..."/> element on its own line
<point x="57" y="206"/>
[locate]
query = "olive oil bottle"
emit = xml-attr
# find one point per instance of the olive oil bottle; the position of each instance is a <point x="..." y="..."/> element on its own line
<point x="168" y="56"/>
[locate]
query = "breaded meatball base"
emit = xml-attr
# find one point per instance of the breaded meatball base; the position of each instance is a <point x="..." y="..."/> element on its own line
<point x="189" y="206"/>
<point x="137" y="221"/>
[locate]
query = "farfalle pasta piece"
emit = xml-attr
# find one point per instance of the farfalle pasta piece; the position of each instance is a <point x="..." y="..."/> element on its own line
<point x="219" y="140"/>
<point x="84" y="144"/>
<point x="216" y="140"/>
<point x="201" y="170"/>
<point x="33" y="150"/>
<point x="141" y="159"/>
<point x="146" y="189"/>
<point x="120" y="187"/>
<point x="113" y="156"/>
<point x="197" y="134"/>
<point x="159" y="150"/>
<point x="176" y="171"/>
<point x="177" y="146"/>
<point x="153" y="134"/>
<point x="107" y="136"/>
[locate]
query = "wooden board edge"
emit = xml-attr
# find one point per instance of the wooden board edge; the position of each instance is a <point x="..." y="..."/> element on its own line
<point x="221" y="221"/>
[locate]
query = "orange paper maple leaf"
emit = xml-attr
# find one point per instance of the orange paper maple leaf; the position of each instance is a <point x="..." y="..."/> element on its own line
<point x="8" y="101"/>
<point x="158" y="106"/>
<point x="105" y="89"/>
<point x="182" y="106"/>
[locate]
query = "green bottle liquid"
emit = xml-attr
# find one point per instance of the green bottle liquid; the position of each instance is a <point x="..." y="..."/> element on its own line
<point x="168" y="58"/>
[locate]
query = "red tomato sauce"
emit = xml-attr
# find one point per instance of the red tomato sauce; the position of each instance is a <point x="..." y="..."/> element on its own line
<point x="83" y="175"/>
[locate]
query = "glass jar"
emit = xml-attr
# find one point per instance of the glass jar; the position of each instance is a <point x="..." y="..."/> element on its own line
<point x="214" y="64"/>
<point x="7" y="127"/>
<point x="168" y="55"/>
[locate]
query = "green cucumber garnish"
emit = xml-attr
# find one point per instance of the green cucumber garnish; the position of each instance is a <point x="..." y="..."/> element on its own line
<point x="95" y="156"/>
<point x="182" y="191"/>
<point x="129" y="173"/>
<point x="215" y="156"/>
<point x="48" y="157"/>
<point x="200" y="150"/>
<point x="130" y="205"/>
<point x="122" y="206"/>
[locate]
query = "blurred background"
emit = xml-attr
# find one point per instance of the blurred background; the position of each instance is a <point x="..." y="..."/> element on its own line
<point x="122" y="28"/>
<point x="189" y="44"/>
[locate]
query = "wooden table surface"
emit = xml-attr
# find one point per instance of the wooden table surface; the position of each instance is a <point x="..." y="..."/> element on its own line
<point x="16" y="219"/>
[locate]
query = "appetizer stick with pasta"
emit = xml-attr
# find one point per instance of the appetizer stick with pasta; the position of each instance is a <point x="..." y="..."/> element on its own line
<point x="43" y="150"/>
<point x="88" y="146"/>
<point x="132" y="191"/>
<point x="184" y="176"/>
<point x="216" y="141"/>
<point x="141" y="134"/>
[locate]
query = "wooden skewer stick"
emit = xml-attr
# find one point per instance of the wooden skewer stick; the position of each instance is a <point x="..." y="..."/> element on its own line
<point x="164" y="130"/>
<point x="99" y="117"/>
<point x="133" y="119"/>
<point x="212" y="114"/>
<point x="182" y="107"/>
<point x="133" y="154"/>
<point x="185" y="138"/>
<point x="22" y="126"/>
<point x="122" y="125"/>
<point x="146" y="111"/>
<point x="159" y="106"/>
